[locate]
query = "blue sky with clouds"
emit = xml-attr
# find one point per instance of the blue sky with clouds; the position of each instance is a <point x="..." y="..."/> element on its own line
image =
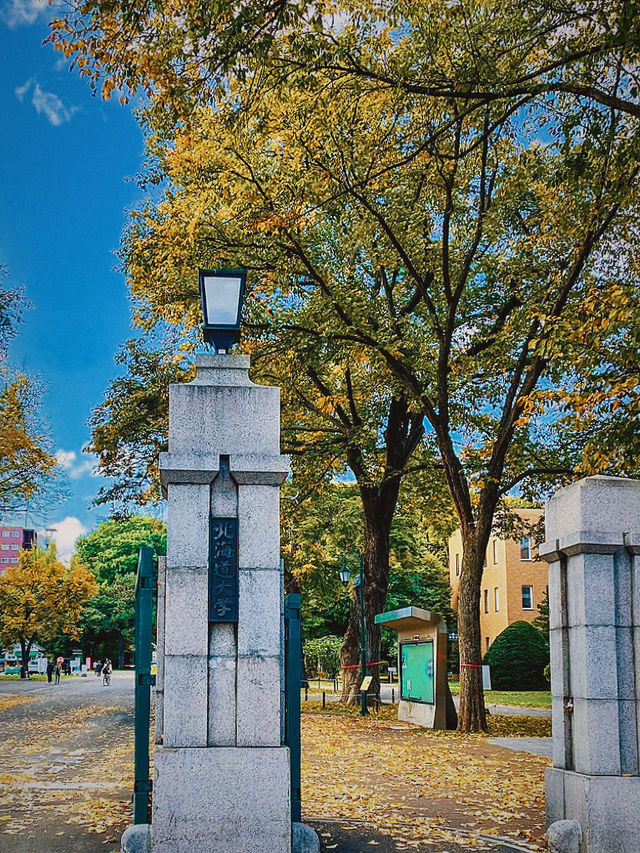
<point x="66" y="163"/>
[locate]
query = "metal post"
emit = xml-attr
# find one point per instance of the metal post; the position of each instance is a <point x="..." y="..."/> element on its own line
<point x="292" y="702"/>
<point x="363" y="642"/>
<point x="145" y="584"/>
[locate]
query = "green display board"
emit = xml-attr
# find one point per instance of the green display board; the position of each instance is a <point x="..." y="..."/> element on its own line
<point x="417" y="672"/>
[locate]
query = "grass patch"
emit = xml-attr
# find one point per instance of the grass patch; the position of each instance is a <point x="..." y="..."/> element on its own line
<point x="33" y="677"/>
<point x="16" y="677"/>
<point x="515" y="698"/>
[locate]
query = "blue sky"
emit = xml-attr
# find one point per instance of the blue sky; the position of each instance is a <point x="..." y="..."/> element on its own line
<point x="66" y="163"/>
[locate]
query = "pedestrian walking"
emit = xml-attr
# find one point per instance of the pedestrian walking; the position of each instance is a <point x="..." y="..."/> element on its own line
<point x="98" y="667"/>
<point x="49" y="671"/>
<point x="58" y="670"/>
<point x="106" y="673"/>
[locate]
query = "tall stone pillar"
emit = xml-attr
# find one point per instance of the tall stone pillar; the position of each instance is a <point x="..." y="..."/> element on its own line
<point x="222" y="780"/>
<point x="592" y="547"/>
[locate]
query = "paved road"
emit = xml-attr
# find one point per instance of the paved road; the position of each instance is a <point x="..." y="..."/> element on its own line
<point x="65" y="765"/>
<point x="536" y="745"/>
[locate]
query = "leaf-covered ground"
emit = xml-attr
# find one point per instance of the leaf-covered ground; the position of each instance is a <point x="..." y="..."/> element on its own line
<point x="419" y="786"/>
<point x="66" y="770"/>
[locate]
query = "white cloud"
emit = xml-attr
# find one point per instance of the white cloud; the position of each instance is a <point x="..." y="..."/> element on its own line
<point x="45" y="102"/>
<point x="20" y="13"/>
<point x="75" y="468"/>
<point x="51" y="105"/>
<point x="21" y="91"/>
<point x="64" y="533"/>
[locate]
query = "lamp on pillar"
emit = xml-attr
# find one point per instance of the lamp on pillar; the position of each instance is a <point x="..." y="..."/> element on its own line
<point x="221" y="292"/>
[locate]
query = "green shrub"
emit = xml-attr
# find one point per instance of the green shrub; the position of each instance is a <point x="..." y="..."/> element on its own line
<point x="517" y="658"/>
<point x="322" y="656"/>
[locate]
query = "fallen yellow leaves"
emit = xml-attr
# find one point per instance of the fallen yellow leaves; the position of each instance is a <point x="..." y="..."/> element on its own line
<point x="419" y="785"/>
<point x="96" y="777"/>
<point x="10" y="701"/>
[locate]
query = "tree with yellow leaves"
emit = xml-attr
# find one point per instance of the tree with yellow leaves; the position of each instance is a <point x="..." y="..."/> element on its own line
<point x="40" y="598"/>
<point x="25" y="462"/>
<point x="446" y="196"/>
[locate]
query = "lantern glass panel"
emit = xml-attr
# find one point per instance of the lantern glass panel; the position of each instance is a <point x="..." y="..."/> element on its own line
<point x="222" y="300"/>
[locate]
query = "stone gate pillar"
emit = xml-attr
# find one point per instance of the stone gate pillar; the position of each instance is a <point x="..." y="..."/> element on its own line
<point x="592" y="547"/>
<point x="222" y="781"/>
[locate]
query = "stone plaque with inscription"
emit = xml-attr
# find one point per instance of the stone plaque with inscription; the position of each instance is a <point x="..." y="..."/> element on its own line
<point x="223" y="570"/>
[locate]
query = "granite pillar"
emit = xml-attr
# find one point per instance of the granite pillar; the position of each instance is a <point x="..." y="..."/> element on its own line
<point x="592" y="546"/>
<point x="221" y="769"/>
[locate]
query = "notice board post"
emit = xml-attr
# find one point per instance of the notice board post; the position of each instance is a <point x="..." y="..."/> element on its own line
<point x="422" y="665"/>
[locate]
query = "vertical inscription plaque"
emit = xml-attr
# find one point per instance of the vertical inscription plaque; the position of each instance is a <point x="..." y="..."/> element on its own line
<point x="223" y="570"/>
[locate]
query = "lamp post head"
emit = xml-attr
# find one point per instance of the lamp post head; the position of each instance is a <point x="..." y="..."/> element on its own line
<point x="221" y="292"/>
<point x="345" y="573"/>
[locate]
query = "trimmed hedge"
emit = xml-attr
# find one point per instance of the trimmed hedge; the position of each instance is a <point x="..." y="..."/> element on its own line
<point x="518" y="657"/>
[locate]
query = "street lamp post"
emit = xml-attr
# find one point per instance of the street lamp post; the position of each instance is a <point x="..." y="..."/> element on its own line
<point x="358" y="588"/>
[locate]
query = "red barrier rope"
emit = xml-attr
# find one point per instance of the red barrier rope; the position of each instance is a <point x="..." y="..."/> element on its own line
<point x="472" y="665"/>
<point x="357" y="665"/>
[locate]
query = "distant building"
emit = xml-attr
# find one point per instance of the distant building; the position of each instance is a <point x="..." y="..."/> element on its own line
<point x="12" y="539"/>
<point x="514" y="581"/>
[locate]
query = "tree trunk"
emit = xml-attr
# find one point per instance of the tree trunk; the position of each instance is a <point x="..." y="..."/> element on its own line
<point x="472" y="713"/>
<point x="403" y="433"/>
<point x="25" y="648"/>
<point x="350" y="655"/>
<point x="120" y="650"/>
<point x="378" y="506"/>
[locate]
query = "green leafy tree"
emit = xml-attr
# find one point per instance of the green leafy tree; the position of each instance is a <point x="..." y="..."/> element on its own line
<point x="111" y="552"/>
<point x="541" y="622"/>
<point x="324" y="530"/>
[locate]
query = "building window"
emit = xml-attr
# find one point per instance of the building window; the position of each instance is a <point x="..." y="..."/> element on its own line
<point x="527" y="598"/>
<point x="496" y="598"/>
<point x="6" y="533"/>
<point x="486" y="639"/>
<point x="14" y="547"/>
<point x="525" y="548"/>
<point x="495" y="551"/>
<point x="15" y="533"/>
<point x="457" y="564"/>
<point x="486" y="601"/>
<point x="5" y="559"/>
<point x="13" y="560"/>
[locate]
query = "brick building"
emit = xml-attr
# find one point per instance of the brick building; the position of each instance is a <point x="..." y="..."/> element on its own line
<point x="514" y="581"/>
<point x="12" y="539"/>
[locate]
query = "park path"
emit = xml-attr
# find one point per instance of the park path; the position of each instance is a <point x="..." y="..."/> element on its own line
<point x="66" y="757"/>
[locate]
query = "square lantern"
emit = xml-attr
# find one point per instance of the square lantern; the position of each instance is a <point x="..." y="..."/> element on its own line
<point x="221" y="292"/>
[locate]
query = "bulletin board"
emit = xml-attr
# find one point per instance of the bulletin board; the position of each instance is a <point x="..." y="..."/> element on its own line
<point x="417" y="672"/>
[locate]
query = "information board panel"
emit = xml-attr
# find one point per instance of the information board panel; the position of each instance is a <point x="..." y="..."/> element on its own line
<point x="417" y="672"/>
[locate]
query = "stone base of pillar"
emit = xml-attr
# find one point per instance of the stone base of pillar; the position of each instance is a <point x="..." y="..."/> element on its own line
<point x="606" y="807"/>
<point x="221" y="800"/>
